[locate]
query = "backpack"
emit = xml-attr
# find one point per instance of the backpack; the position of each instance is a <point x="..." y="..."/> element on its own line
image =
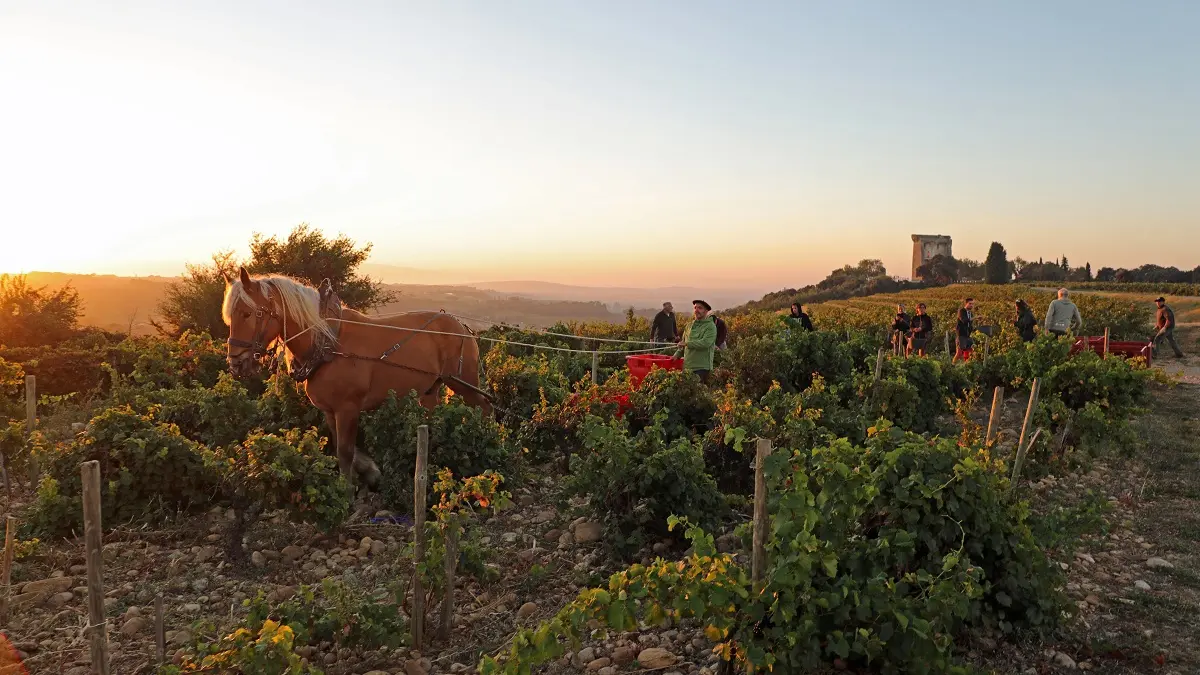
<point x="722" y="331"/>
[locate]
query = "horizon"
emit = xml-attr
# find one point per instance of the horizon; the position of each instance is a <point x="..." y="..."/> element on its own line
<point x="627" y="146"/>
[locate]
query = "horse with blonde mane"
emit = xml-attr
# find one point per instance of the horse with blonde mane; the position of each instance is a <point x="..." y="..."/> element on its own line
<point x="348" y="361"/>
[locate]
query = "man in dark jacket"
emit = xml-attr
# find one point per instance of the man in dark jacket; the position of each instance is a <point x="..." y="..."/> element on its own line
<point x="922" y="330"/>
<point x="1164" y="321"/>
<point x="663" y="328"/>
<point x="963" y="330"/>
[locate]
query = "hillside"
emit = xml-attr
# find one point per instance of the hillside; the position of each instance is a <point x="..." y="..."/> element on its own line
<point x="126" y="304"/>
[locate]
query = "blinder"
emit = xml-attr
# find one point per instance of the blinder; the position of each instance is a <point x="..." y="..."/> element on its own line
<point x="258" y="348"/>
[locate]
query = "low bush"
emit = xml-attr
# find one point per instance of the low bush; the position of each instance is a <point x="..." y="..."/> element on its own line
<point x="686" y="403"/>
<point x="145" y="465"/>
<point x="461" y="438"/>
<point x="878" y="556"/>
<point x="635" y="482"/>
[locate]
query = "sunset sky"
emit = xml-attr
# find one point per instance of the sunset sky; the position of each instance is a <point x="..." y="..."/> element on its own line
<point x="620" y="142"/>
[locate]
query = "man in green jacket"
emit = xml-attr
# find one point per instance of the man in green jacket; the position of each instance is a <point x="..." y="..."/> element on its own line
<point x="699" y="341"/>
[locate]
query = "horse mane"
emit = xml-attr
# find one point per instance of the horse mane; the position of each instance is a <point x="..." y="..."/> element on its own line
<point x="301" y="303"/>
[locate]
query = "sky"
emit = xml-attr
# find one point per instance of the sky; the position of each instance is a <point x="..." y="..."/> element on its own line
<point x="621" y="142"/>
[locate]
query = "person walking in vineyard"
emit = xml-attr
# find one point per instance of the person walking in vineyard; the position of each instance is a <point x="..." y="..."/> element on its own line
<point x="663" y="330"/>
<point x="699" y="341"/>
<point x="963" y="330"/>
<point x="922" y="330"/>
<point x="1164" y="322"/>
<point x="1063" y="315"/>
<point x="900" y="327"/>
<point x="1025" y="322"/>
<point x="799" y="318"/>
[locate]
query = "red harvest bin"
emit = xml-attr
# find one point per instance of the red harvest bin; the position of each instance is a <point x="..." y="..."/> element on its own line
<point x="1115" y="348"/>
<point x="641" y="364"/>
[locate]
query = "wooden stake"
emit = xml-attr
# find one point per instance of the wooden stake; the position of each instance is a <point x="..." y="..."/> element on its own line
<point x="90" y="472"/>
<point x="30" y="403"/>
<point x="878" y="366"/>
<point x="10" y="535"/>
<point x="160" y="629"/>
<point x="994" y="417"/>
<point x="1033" y="398"/>
<point x="1020" y="461"/>
<point x="758" y="563"/>
<point x="31" y="422"/>
<point x="451" y="568"/>
<point x="985" y="347"/>
<point x="595" y="367"/>
<point x="420" y="485"/>
<point x="949" y="354"/>
<point x="1106" y="342"/>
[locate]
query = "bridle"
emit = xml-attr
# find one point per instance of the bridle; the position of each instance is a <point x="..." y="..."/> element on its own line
<point x="258" y="347"/>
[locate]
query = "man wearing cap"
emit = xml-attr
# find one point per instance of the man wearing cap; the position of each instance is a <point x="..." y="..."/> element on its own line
<point x="699" y="341"/>
<point x="1164" y="321"/>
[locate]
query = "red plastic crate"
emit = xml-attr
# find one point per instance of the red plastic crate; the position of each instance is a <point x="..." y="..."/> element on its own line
<point x="640" y="365"/>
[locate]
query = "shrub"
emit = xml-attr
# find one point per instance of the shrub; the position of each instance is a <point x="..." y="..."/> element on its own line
<point x="520" y="383"/>
<point x="144" y="465"/>
<point x="687" y="404"/>
<point x="634" y="483"/>
<point x="285" y="405"/>
<point x="268" y="472"/>
<point x="877" y="556"/>
<point x="553" y="429"/>
<point x="218" y="415"/>
<point x="461" y="438"/>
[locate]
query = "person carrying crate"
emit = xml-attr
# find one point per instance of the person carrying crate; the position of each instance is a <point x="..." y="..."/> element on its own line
<point x="699" y="341"/>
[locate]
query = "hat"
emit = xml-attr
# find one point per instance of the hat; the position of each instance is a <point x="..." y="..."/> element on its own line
<point x="1160" y="299"/>
<point x="707" y="307"/>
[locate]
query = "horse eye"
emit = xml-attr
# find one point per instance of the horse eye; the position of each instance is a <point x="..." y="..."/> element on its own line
<point x="245" y="315"/>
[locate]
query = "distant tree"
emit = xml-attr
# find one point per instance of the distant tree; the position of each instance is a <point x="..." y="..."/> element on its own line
<point x="970" y="270"/>
<point x="1087" y="268"/>
<point x="1106" y="274"/>
<point x="940" y="269"/>
<point x="1066" y="266"/>
<point x="194" y="302"/>
<point x="31" y="317"/>
<point x="309" y="256"/>
<point x="996" y="269"/>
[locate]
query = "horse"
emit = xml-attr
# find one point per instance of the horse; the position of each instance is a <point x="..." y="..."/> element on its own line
<point x="347" y="360"/>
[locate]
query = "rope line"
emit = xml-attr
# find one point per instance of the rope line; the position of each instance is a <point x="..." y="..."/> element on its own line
<point x="519" y="344"/>
<point x="537" y="331"/>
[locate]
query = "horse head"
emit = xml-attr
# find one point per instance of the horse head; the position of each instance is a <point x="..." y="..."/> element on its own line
<point x="253" y="320"/>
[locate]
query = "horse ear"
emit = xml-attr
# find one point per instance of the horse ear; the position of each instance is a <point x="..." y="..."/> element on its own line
<point x="245" y="277"/>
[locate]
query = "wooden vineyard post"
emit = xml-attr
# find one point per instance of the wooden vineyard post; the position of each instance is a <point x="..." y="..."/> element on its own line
<point x="30" y="403"/>
<point x="31" y="421"/>
<point x="949" y="354"/>
<point x="1106" y="342"/>
<point x="994" y="417"/>
<point x="160" y="629"/>
<point x="878" y="366"/>
<point x="985" y="347"/>
<point x="451" y="568"/>
<point x="420" y="485"/>
<point x="595" y="367"/>
<point x="1033" y="398"/>
<point x="1020" y="461"/>
<point x="10" y="535"/>
<point x="90" y="472"/>
<point x="758" y="562"/>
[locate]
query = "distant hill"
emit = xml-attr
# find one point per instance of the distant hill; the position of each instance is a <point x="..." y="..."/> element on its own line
<point x="126" y="304"/>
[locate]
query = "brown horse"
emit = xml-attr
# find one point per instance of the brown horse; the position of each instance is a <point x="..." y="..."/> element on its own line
<point x="349" y="364"/>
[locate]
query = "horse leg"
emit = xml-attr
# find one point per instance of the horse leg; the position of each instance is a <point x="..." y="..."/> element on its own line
<point x="346" y="432"/>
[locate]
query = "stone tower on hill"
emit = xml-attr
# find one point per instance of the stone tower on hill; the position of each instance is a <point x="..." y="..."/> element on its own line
<point x="925" y="246"/>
